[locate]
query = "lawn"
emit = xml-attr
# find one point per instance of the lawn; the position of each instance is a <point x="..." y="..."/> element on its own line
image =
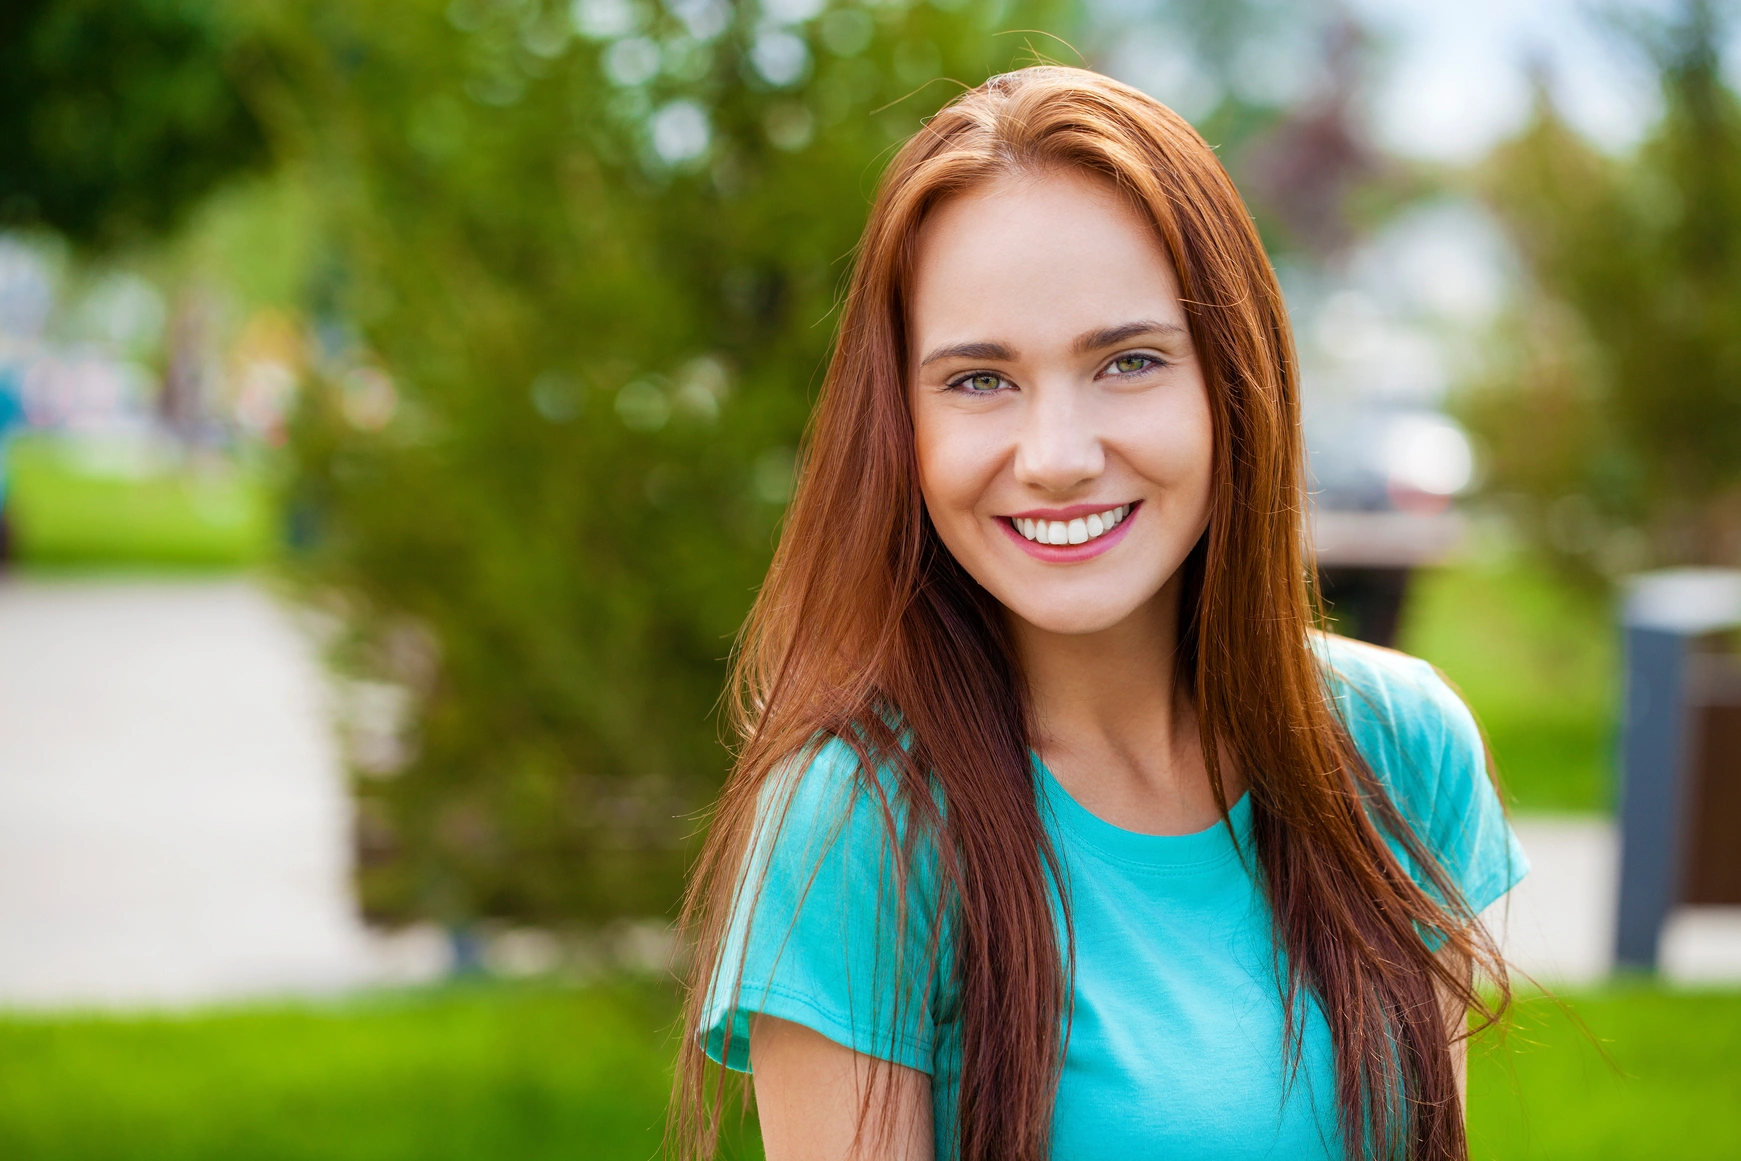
<point x="529" y="1073"/>
<point x="83" y="507"/>
<point x="1655" y="1075"/>
<point x="1538" y="661"/>
<point x="458" y="1074"/>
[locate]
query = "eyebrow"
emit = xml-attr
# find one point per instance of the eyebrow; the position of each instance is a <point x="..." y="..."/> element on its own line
<point x="1112" y="336"/>
<point x="995" y="351"/>
<point x="1083" y="343"/>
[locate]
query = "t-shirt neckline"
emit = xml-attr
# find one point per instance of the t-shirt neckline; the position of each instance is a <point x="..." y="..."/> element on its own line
<point x="1207" y="847"/>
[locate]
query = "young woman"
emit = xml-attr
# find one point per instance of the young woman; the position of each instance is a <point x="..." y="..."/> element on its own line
<point x="1057" y="831"/>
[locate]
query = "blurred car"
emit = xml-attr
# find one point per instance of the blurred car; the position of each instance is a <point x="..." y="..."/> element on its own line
<point x="1382" y="481"/>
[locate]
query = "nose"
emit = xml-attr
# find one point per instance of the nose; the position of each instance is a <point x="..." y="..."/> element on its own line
<point x="1059" y="447"/>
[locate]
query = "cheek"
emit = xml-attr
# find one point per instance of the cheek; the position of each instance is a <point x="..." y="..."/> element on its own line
<point x="1175" y="448"/>
<point x="955" y="467"/>
<point x="1197" y="464"/>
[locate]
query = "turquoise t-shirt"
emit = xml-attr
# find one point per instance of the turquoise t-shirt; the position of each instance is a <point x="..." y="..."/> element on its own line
<point x="1175" y="1038"/>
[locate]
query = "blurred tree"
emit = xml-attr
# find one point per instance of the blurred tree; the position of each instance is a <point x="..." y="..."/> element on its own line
<point x="1275" y="89"/>
<point x="116" y="116"/>
<point x="1617" y="415"/>
<point x="585" y="259"/>
<point x="1301" y="171"/>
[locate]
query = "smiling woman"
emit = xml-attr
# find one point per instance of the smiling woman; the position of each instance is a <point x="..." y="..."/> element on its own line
<point x="1056" y="831"/>
<point x="1025" y="400"/>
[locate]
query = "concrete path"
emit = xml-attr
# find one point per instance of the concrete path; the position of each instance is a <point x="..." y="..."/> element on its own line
<point x="1557" y="927"/>
<point x="173" y="820"/>
<point x="174" y="826"/>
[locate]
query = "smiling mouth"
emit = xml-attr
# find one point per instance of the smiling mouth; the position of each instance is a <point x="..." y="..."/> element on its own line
<point x="1081" y="530"/>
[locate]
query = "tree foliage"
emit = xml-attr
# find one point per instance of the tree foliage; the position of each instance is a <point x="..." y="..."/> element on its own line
<point x="1620" y="417"/>
<point x="117" y="116"/>
<point x="591" y="280"/>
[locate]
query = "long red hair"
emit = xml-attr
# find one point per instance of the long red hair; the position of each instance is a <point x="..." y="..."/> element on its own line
<point x="867" y="626"/>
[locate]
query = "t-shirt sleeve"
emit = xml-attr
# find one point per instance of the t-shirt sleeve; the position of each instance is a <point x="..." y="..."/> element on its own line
<point x="1425" y="747"/>
<point x="817" y="934"/>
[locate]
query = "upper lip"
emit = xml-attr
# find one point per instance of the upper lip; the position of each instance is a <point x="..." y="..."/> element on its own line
<point x="1070" y="513"/>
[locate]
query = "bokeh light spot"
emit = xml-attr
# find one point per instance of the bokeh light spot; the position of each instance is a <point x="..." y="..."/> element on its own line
<point x="847" y="31"/>
<point x="780" y="58"/>
<point x="680" y="132"/>
<point x="1428" y="453"/>
<point x="633" y="61"/>
<point x="643" y="406"/>
<point x="789" y="125"/>
<point x="606" y="19"/>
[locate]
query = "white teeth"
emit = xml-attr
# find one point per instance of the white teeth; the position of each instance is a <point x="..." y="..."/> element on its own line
<point x="1078" y="531"/>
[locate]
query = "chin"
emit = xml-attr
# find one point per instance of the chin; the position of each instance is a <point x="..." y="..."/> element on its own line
<point x="1074" y="616"/>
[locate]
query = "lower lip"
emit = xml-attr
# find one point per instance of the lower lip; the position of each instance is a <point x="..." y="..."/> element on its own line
<point x="1071" y="553"/>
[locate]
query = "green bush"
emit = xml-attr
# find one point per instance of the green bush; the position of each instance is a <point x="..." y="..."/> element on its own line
<point x="118" y="116"/>
<point x="541" y="478"/>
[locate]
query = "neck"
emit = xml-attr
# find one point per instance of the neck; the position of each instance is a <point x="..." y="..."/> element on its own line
<point x="1113" y="724"/>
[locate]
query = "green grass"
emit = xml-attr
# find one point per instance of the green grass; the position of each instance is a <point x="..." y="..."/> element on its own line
<point x="1539" y="664"/>
<point x="465" y="1073"/>
<point x="1657" y="1075"/>
<point x="65" y="514"/>
<point x="532" y="1073"/>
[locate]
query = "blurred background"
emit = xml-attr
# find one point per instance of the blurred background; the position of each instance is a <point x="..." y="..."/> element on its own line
<point x="398" y="402"/>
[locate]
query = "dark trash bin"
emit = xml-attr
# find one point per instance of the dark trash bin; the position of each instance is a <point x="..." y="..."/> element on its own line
<point x="1680" y="754"/>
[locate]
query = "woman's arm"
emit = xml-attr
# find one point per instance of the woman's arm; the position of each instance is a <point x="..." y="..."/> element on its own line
<point x="1457" y="1027"/>
<point x="1460" y="1057"/>
<point x="810" y="1090"/>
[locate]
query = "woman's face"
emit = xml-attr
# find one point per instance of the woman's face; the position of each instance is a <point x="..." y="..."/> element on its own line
<point x="1062" y="421"/>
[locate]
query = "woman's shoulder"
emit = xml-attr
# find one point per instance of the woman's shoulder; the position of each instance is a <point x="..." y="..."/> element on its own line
<point x="821" y="933"/>
<point x="817" y="779"/>
<point x="830" y="772"/>
<point x="1392" y="701"/>
<point x="1423" y="743"/>
<point x="1407" y="722"/>
<point x="833" y="796"/>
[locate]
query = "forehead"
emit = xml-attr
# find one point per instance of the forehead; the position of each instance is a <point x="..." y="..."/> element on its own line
<point x="1035" y="260"/>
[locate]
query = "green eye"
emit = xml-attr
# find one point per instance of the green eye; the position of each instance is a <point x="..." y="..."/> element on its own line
<point x="1130" y="364"/>
<point x="982" y="382"/>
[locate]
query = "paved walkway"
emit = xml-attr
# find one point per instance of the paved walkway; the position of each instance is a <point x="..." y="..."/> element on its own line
<point x="174" y="826"/>
<point x="173" y="822"/>
<point x="1558" y="925"/>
